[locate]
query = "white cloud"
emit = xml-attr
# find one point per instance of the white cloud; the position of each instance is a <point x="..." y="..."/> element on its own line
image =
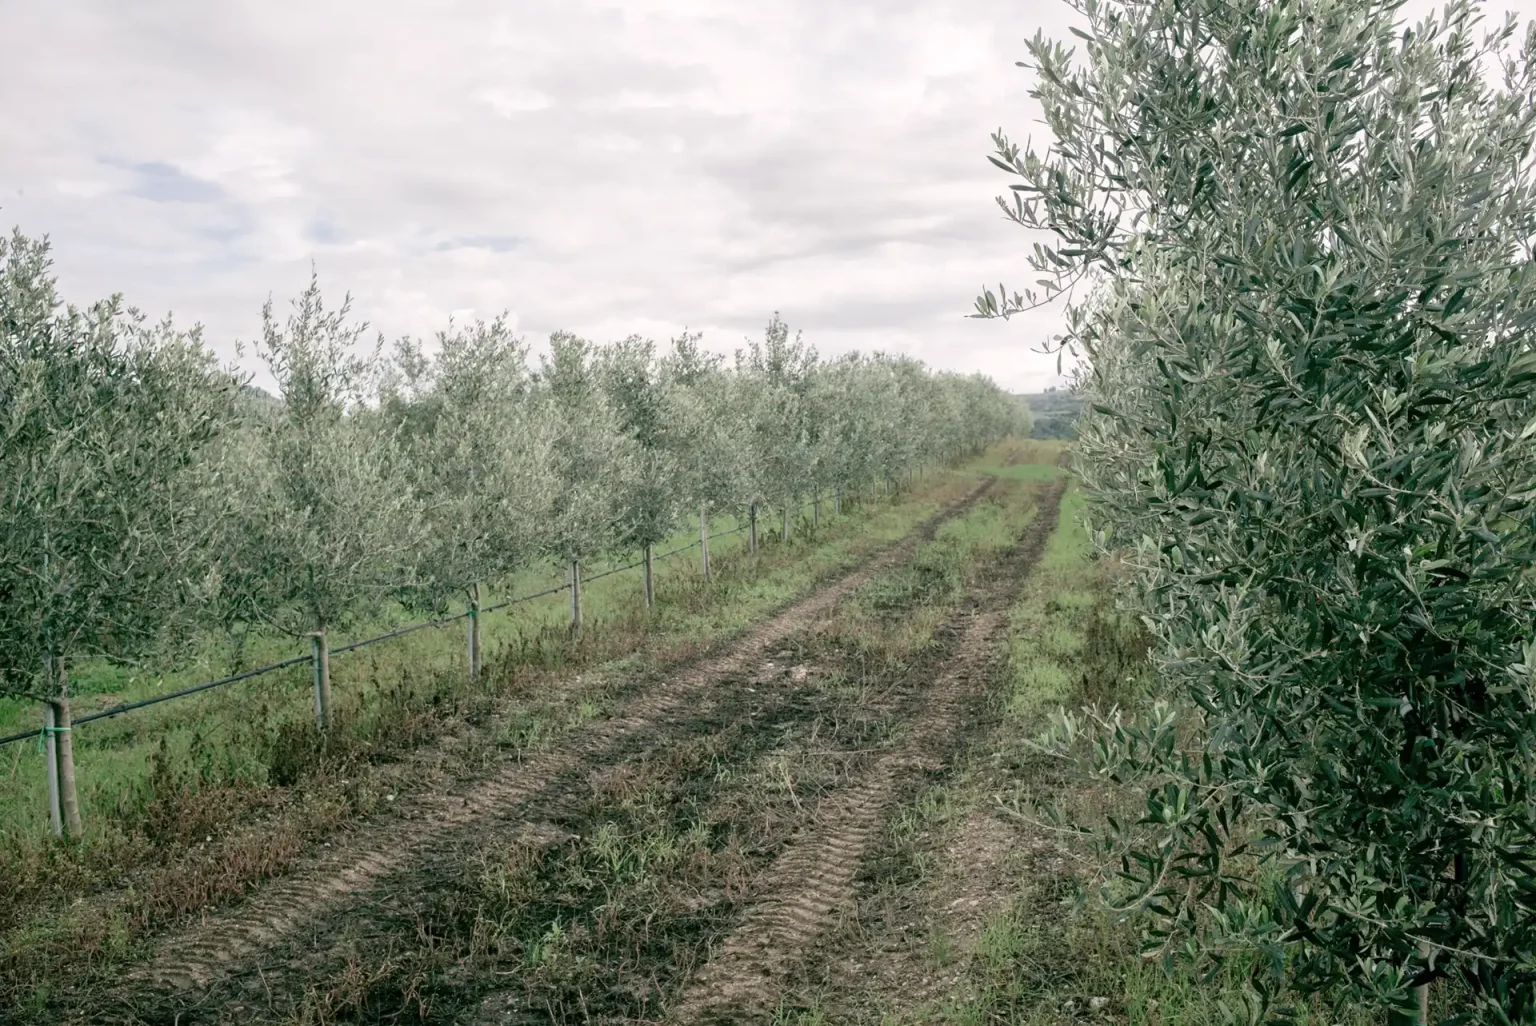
<point x="606" y="166"/>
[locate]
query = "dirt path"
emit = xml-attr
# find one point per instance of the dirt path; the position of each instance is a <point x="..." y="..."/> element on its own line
<point x="196" y="957"/>
<point x="812" y="883"/>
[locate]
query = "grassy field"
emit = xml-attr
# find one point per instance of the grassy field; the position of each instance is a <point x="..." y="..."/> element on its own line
<point x="980" y="910"/>
<point x="729" y="811"/>
<point x="116" y="754"/>
<point x="190" y="804"/>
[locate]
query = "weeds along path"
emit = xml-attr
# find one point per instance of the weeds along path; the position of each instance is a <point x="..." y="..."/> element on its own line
<point x="610" y="889"/>
<point x="807" y="887"/>
<point x="196" y="957"/>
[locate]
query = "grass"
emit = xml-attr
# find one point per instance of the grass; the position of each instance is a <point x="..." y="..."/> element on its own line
<point x="112" y="752"/>
<point x="654" y="854"/>
<point x="653" y="857"/>
<point x="190" y="803"/>
<point x="1046" y="952"/>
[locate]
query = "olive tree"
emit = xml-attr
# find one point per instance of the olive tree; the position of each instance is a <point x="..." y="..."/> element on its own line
<point x="591" y="457"/>
<point x="104" y="420"/>
<point x="777" y="374"/>
<point x="1305" y="235"/>
<point x="635" y="387"/>
<point x="329" y="529"/>
<point x="476" y="447"/>
<point x="710" y="432"/>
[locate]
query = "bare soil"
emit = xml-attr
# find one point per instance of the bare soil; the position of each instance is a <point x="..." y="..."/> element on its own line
<point x="351" y="915"/>
<point x="813" y="885"/>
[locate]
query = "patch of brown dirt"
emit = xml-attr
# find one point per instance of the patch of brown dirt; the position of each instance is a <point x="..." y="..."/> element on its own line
<point x="814" y="882"/>
<point x="196" y="956"/>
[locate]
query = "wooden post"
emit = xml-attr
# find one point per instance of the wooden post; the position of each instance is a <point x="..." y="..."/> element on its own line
<point x="650" y="585"/>
<point x="575" y="595"/>
<point x="704" y="540"/>
<point x="69" y="798"/>
<point x="474" y="632"/>
<point x="837" y="501"/>
<point x="752" y="528"/>
<point x="51" y="753"/>
<point x="1422" y="990"/>
<point x="321" y="659"/>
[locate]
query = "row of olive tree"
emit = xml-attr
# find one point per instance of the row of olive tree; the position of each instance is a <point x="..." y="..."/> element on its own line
<point x="148" y="496"/>
<point x="1307" y="238"/>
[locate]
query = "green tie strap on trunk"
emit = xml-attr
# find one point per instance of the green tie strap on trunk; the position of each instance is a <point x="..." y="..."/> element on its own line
<point x="42" y="735"/>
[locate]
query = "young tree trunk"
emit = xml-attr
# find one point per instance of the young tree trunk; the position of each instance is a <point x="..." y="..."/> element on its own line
<point x="51" y="749"/>
<point x="752" y="528"/>
<point x="321" y="649"/>
<point x="575" y="596"/>
<point x="650" y="585"/>
<point x="837" y="501"/>
<point x="816" y="512"/>
<point x="474" y="632"/>
<point x="887" y="484"/>
<point x="784" y="535"/>
<point x="69" y="798"/>
<point x="704" y="540"/>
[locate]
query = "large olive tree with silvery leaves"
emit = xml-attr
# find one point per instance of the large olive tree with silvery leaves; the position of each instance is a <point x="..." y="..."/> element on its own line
<point x="106" y="421"/>
<point x="1301" y="239"/>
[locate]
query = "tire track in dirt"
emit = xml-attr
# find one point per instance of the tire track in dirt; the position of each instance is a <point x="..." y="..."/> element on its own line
<point x="198" y="955"/>
<point x="810" y="882"/>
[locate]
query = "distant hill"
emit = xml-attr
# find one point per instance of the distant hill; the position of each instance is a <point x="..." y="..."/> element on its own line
<point x="1055" y="413"/>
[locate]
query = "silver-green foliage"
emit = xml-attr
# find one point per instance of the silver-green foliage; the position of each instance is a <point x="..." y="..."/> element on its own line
<point x="635" y="386"/>
<point x="476" y="446"/>
<point x="105" y="421"/>
<point x="329" y="528"/>
<point x="145" y="494"/>
<point x="595" y="463"/>
<point x="1306" y="234"/>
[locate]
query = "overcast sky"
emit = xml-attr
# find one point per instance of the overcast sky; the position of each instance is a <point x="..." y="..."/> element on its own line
<point x="602" y="167"/>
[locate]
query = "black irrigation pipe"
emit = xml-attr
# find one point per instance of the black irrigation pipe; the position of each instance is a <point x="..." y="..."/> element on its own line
<point x="612" y="571"/>
<point x="118" y="710"/>
<point x="402" y="632"/>
<point x="557" y="589"/>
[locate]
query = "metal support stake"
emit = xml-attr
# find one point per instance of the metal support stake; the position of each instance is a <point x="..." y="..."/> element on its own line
<point x="321" y="658"/>
<point x="650" y="580"/>
<point x="474" y="632"/>
<point x="51" y="753"/>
